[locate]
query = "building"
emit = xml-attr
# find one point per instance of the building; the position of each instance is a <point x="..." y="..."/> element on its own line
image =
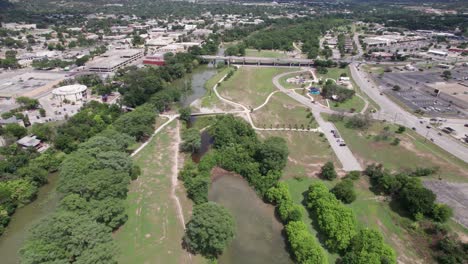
<point x="72" y="93"/>
<point x="156" y="59"/>
<point x="114" y="60"/>
<point x="29" y="142"/>
<point x="11" y="120"/>
<point x="173" y="48"/>
<point x="437" y="53"/>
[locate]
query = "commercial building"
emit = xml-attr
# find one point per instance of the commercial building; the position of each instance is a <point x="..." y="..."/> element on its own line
<point x="114" y="60"/>
<point x="437" y="53"/>
<point x="72" y="93"/>
<point x="156" y="59"/>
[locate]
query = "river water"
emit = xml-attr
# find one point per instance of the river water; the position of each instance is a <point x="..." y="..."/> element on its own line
<point x="24" y="218"/>
<point x="196" y="80"/>
<point x="259" y="236"/>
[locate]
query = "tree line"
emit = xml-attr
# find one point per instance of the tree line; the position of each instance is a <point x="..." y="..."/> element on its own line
<point x="93" y="182"/>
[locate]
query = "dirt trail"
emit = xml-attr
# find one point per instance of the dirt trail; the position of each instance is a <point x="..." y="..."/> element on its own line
<point x="175" y="168"/>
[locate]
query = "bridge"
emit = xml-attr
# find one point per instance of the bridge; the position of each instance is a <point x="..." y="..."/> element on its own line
<point x="259" y="60"/>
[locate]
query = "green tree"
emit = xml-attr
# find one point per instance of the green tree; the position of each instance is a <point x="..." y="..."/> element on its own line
<point x="441" y="212"/>
<point x="303" y="244"/>
<point x="417" y="199"/>
<point x="368" y="246"/>
<point x="191" y="140"/>
<point x="210" y="230"/>
<point x="272" y="154"/>
<point x="15" y="130"/>
<point x="344" y="191"/>
<point x="185" y="113"/>
<point x="328" y="171"/>
<point x="28" y="103"/>
<point x="66" y="236"/>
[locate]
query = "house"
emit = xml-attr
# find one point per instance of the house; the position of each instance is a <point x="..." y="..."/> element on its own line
<point x="32" y="142"/>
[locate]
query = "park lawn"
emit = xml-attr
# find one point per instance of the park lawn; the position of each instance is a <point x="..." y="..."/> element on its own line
<point x="307" y="153"/>
<point x="265" y="53"/>
<point x="153" y="233"/>
<point x="333" y="73"/>
<point x="355" y="103"/>
<point x="251" y="86"/>
<point x="411" y="153"/>
<point x="282" y="111"/>
<point x="210" y="100"/>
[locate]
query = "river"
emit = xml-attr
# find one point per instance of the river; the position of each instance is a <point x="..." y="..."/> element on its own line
<point x="258" y="236"/>
<point x="196" y="80"/>
<point x="24" y="218"/>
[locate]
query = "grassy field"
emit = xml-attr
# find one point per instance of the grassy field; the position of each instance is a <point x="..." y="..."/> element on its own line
<point x="355" y="103"/>
<point x="265" y="53"/>
<point x="333" y="73"/>
<point x="250" y="86"/>
<point x="412" y="152"/>
<point x="210" y="100"/>
<point x="307" y="153"/>
<point x="371" y="212"/>
<point x="281" y="111"/>
<point x="153" y="232"/>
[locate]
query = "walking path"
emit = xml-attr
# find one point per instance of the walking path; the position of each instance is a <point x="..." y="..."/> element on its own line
<point x="344" y="154"/>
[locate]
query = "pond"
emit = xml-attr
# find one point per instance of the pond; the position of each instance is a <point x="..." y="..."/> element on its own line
<point x="24" y="218"/>
<point x="259" y="236"/>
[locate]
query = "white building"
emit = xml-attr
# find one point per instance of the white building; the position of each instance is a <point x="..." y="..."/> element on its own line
<point x="114" y="60"/>
<point x="72" y="93"/>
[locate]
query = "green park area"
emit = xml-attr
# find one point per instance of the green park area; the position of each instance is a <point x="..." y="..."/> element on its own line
<point x="265" y="53"/>
<point x="251" y="86"/>
<point x="283" y="112"/>
<point x="371" y="211"/>
<point x="153" y="232"/>
<point x="308" y="151"/>
<point x="355" y="104"/>
<point x="377" y="145"/>
<point x="210" y="100"/>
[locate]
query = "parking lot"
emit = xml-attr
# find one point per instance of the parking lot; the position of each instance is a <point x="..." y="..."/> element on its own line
<point x="412" y="95"/>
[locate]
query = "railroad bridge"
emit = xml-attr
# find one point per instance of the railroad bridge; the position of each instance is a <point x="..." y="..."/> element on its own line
<point x="259" y="61"/>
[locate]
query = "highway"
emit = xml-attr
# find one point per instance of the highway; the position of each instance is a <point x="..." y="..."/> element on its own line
<point x="392" y="112"/>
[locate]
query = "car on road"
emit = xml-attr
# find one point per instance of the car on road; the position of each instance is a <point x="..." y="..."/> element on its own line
<point x="428" y="127"/>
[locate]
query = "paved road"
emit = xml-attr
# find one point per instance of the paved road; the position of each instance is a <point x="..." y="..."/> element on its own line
<point x="343" y="153"/>
<point x="394" y="113"/>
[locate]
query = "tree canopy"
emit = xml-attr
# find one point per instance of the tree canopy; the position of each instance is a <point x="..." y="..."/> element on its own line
<point x="210" y="230"/>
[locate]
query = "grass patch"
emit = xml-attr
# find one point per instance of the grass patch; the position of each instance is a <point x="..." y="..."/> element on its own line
<point x="265" y="53"/>
<point x="153" y="233"/>
<point x="355" y="103"/>
<point x="210" y="99"/>
<point x="282" y="111"/>
<point x="333" y="73"/>
<point x="412" y="152"/>
<point x="250" y="86"/>
<point x="307" y="153"/>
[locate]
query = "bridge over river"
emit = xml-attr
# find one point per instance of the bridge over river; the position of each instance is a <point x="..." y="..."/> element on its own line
<point x="260" y="61"/>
